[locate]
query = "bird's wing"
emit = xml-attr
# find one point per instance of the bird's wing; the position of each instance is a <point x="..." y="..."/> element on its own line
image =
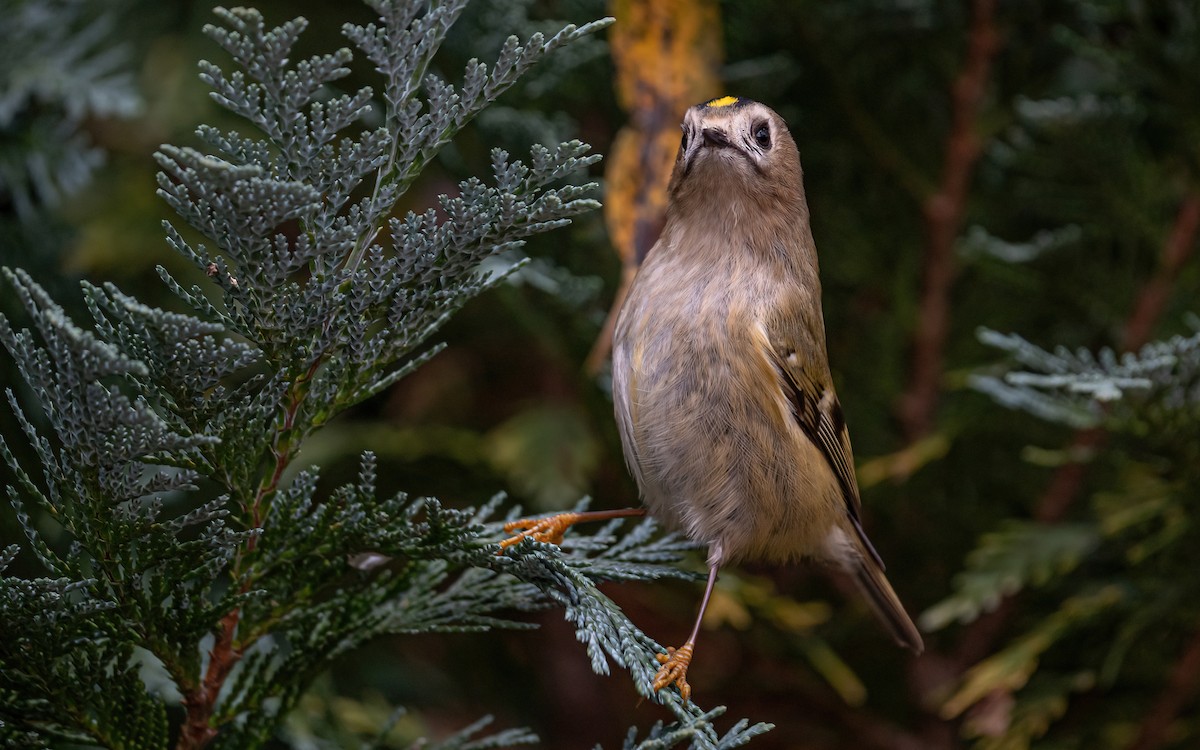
<point x="816" y="410"/>
<point x="624" y="391"/>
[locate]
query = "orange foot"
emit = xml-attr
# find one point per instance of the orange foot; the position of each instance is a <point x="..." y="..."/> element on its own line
<point x="674" y="669"/>
<point x="549" y="530"/>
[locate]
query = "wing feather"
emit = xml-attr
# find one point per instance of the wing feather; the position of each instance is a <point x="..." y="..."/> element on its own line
<point x="816" y="410"/>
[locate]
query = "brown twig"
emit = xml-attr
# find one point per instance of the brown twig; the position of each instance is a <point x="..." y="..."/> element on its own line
<point x="1067" y="481"/>
<point x="943" y="213"/>
<point x="197" y="731"/>
<point x="1180" y="689"/>
<point x="200" y="702"/>
<point x="1157" y="291"/>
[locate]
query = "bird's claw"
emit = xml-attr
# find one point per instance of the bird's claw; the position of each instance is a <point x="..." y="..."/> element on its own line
<point x="674" y="670"/>
<point x="549" y="530"/>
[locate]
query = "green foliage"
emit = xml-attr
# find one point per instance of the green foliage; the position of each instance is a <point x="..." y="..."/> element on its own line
<point x="465" y="738"/>
<point x="57" y="67"/>
<point x="1020" y="554"/>
<point x="60" y="636"/>
<point x="1044" y="701"/>
<point x="1108" y="566"/>
<point x="1151" y="396"/>
<point x="162" y="496"/>
<point x="394" y="728"/>
<point x="1010" y="669"/>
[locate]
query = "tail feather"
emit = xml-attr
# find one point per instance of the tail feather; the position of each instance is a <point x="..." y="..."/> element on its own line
<point x="884" y="602"/>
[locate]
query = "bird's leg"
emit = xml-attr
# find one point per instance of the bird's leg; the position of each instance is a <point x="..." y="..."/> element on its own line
<point x="551" y="528"/>
<point x="675" y="662"/>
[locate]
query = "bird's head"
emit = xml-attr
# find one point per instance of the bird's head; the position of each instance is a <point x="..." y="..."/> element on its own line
<point x="735" y="144"/>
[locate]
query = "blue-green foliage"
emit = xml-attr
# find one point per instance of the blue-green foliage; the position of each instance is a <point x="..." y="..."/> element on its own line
<point x="1082" y="389"/>
<point x="168" y="513"/>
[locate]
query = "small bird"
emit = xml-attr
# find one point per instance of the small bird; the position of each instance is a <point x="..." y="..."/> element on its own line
<point x="721" y="381"/>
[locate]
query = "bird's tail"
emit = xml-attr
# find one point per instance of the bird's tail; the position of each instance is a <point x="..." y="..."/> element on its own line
<point x="868" y="574"/>
<point x="885" y="603"/>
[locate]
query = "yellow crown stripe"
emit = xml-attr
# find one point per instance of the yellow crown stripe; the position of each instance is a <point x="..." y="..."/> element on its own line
<point x="723" y="101"/>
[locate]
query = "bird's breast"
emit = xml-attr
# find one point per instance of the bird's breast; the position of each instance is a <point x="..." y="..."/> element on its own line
<point x="706" y="425"/>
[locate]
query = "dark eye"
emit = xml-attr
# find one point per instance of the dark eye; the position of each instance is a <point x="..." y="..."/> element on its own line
<point x="762" y="135"/>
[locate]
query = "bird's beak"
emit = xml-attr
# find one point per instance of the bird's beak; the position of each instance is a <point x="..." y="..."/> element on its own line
<point x="707" y="137"/>
<point x="715" y="137"/>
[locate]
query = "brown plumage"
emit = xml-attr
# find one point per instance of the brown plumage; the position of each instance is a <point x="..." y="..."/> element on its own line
<point x="721" y="381"/>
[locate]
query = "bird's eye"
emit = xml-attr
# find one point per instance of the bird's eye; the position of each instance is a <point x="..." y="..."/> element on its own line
<point x="762" y="135"/>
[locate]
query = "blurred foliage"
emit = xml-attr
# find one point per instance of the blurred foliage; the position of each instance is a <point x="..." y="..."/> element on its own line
<point x="60" y="68"/>
<point x="1060" y="629"/>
